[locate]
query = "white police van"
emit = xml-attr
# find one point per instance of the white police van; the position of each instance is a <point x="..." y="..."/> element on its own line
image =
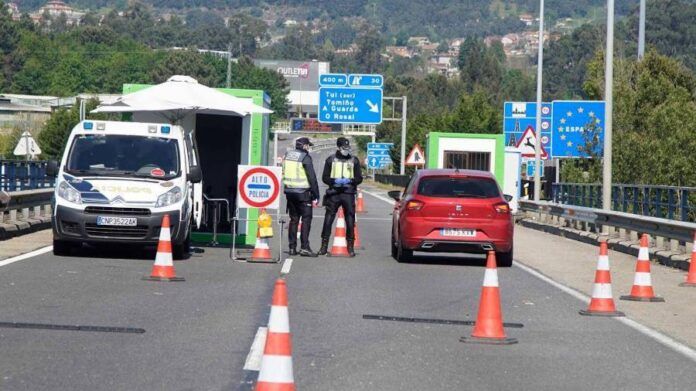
<point x="117" y="180"/>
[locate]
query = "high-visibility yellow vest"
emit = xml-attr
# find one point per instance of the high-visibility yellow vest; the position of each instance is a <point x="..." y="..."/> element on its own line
<point x="342" y="169"/>
<point x="294" y="175"/>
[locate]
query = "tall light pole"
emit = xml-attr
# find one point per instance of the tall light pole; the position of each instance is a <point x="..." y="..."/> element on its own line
<point x="641" y="31"/>
<point x="540" y="66"/>
<point x="609" y="99"/>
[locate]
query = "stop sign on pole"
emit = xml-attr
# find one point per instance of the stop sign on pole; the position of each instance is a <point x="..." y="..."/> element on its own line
<point x="258" y="187"/>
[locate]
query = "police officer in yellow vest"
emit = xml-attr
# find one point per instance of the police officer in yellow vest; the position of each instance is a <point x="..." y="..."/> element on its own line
<point x="301" y="188"/>
<point x="343" y="175"/>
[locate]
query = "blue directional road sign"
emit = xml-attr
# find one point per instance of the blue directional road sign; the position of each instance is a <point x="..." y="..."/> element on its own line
<point x="574" y="125"/>
<point x="350" y="99"/>
<point x="333" y="80"/>
<point x="346" y="105"/>
<point x="378" y="155"/>
<point x="531" y="167"/>
<point x="375" y="81"/>
<point x="518" y="116"/>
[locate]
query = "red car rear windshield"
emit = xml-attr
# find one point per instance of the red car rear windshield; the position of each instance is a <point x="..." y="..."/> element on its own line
<point x="449" y="187"/>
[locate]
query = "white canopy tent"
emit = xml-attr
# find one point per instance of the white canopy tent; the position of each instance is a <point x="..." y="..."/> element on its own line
<point x="180" y="96"/>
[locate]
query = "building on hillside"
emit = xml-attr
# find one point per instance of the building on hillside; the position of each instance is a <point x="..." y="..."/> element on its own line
<point x="55" y="8"/>
<point x="527" y="19"/>
<point x="14" y="11"/>
<point x="399" y="51"/>
<point x="418" y="41"/>
<point x="303" y="78"/>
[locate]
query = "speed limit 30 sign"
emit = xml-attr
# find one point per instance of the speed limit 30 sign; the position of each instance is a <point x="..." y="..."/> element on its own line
<point x="258" y="187"/>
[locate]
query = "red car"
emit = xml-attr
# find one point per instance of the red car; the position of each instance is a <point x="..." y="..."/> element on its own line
<point x="452" y="211"/>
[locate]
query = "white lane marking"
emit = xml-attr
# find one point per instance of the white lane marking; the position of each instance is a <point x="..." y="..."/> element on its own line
<point x="654" y="334"/>
<point x="253" y="359"/>
<point x="26" y="256"/>
<point x="286" y="266"/>
<point x="379" y="197"/>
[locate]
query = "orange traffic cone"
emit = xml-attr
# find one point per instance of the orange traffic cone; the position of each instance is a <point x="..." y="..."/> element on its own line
<point x="163" y="269"/>
<point x="361" y="203"/>
<point x="357" y="243"/>
<point x="276" y="363"/>
<point x="691" y="277"/>
<point x="262" y="252"/>
<point x="489" y="323"/>
<point x="642" y="289"/>
<point x="339" y="247"/>
<point x="602" y="303"/>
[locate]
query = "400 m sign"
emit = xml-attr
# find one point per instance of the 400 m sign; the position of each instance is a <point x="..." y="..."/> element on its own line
<point x="258" y="187"/>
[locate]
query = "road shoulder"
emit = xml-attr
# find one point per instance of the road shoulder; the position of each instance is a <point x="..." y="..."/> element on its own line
<point x="25" y="243"/>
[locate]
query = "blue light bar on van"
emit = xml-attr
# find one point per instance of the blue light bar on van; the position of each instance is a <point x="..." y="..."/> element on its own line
<point x="87" y="125"/>
<point x="165" y="129"/>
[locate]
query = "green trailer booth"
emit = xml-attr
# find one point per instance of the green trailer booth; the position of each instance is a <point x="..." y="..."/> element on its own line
<point x="467" y="151"/>
<point x="223" y="142"/>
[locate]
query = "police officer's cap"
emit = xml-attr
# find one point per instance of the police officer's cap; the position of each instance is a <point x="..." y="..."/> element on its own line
<point x="342" y="142"/>
<point x="303" y="141"/>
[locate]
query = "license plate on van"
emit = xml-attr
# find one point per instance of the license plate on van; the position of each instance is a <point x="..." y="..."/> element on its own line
<point x="117" y="221"/>
<point x="458" y="232"/>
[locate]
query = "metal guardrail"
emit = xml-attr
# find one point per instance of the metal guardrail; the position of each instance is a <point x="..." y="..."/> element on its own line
<point x="16" y="175"/>
<point x="394" y="180"/>
<point x="671" y="202"/>
<point x="676" y="232"/>
<point x="24" y="211"/>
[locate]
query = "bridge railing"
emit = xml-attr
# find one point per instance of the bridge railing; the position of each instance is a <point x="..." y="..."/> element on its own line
<point x="24" y="211"/>
<point x="670" y="202"/>
<point x="18" y="175"/>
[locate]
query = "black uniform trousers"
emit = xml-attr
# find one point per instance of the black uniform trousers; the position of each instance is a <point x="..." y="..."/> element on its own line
<point x="332" y="203"/>
<point x="299" y="206"/>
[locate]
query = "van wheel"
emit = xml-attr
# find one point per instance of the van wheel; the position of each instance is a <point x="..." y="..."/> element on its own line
<point x="180" y="251"/>
<point x="61" y="248"/>
<point x="504" y="259"/>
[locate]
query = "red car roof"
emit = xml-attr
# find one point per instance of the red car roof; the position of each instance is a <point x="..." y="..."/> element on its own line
<point x="448" y="172"/>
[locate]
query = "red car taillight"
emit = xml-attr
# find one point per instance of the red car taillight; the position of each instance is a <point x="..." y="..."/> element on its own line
<point x="502" y="208"/>
<point x="415" y="205"/>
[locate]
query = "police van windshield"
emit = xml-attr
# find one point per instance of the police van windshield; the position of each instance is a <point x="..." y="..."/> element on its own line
<point x="119" y="155"/>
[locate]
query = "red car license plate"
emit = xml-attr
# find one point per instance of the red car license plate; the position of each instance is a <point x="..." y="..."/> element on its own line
<point x="458" y="232"/>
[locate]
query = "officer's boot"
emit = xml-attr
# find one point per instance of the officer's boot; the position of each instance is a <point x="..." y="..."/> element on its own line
<point x="292" y="251"/>
<point x="324" y="246"/>
<point x="307" y="252"/>
<point x="351" y="248"/>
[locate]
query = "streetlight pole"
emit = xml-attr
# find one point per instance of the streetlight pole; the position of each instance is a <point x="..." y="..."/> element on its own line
<point x="641" y="31"/>
<point x="540" y="66"/>
<point x="402" y="169"/>
<point x="228" y="84"/>
<point x="609" y="99"/>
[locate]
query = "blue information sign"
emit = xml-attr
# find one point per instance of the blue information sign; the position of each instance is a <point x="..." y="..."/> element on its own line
<point x="333" y="80"/>
<point x="574" y="125"/>
<point x="531" y="168"/>
<point x="378" y="155"/>
<point x="350" y="99"/>
<point x="519" y="116"/>
<point x="366" y="81"/>
<point x="345" y="105"/>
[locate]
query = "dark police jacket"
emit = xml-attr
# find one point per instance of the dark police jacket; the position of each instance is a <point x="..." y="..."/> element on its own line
<point x="333" y="187"/>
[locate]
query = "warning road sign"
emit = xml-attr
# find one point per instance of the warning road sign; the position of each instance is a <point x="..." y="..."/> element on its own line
<point x="416" y="157"/>
<point x="258" y="187"/>
<point x="527" y="144"/>
<point x="27" y="146"/>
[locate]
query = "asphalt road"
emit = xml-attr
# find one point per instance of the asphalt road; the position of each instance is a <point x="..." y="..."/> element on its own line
<point x="198" y="332"/>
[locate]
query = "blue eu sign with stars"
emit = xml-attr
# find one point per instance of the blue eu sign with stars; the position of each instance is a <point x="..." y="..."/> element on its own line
<point x="574" y="124"/>
<point x="350" y="99"/>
